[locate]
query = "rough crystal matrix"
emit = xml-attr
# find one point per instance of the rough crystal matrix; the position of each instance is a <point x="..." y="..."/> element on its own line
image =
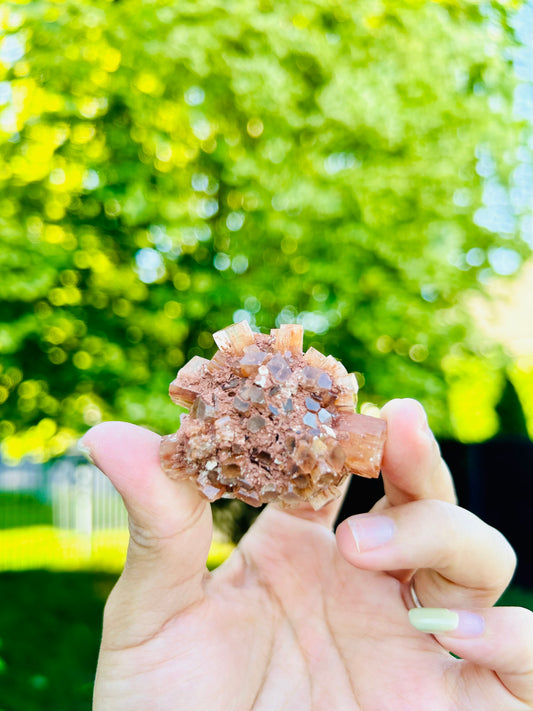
<point x="268" y="422"/>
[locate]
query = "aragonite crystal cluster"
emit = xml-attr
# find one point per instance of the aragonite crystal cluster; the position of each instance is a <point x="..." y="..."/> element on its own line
<point x="268" y="422"/>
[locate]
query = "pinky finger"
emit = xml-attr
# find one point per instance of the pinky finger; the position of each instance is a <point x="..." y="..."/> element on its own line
<point x="500" y="639"/>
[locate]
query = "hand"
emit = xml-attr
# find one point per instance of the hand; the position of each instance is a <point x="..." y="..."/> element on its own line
<point x="298" y="619"/>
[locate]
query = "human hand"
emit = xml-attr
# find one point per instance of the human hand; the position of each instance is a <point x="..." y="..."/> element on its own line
<point x="298" y="619"/>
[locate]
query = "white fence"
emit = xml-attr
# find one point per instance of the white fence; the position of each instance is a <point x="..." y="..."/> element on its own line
<point x="65" y="516"/>
<point x="84" y="500"/>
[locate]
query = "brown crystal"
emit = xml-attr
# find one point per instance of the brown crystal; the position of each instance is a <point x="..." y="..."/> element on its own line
<point x="240" y="405"/>
<point x="255" y="423"/>
<point x="314" y="358"/>
<point x="235" y="338"/>
<point x="201" y="410"/>
<point x="184" y="388"/>
<point x="268" y="422"/>
<point x="362" y="439"/>
<point x="288" y="337"/>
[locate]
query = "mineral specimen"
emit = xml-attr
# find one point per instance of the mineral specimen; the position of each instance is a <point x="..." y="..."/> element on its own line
<point x="269" y="423"/>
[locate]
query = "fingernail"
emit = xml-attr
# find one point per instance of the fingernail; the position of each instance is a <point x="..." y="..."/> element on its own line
<point x="86" y="451"/>
<point x="461" y="623"/>
<point x="423" y="423"/>
<point x="371" y="531"/>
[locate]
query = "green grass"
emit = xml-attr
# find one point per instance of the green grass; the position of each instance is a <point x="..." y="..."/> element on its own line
<point x="50" y="627"/>
<point x="35" y="547"/>
<point x="19" y="509"/>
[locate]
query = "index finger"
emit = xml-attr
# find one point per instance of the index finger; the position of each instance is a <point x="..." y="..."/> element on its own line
<point x="412" y="466"/>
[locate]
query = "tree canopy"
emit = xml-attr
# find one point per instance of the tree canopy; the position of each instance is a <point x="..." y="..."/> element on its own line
<point x="167" y="167"/>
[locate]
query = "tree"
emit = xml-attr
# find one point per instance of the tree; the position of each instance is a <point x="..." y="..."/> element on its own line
<point x="166" y="167"/>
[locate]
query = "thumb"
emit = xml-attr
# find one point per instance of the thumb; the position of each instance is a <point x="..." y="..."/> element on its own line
<point x="170" y="532"/>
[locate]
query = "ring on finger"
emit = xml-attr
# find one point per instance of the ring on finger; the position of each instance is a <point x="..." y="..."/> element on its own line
<point x="409" y="595"/>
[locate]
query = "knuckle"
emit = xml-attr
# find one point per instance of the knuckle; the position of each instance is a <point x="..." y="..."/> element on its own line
<point x="441" y="514"/>
<point x="141" y="536"/>
<point x="153" y="535"/>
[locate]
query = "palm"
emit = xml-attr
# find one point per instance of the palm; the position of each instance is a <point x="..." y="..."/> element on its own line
<point x="298" y="619"/>
<point x="286" y="623"/>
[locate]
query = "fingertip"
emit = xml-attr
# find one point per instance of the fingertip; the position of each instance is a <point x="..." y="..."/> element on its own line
<point x="129" y="456"/>
<point x="407" y="434"/>
<point x="115" y="438"/>
<point x="345" y="540"/>
<point x="120" y="448"/>
<point x="460" y="624"/>
<point x="405" y="412"/>
<point x="412" y="465"/>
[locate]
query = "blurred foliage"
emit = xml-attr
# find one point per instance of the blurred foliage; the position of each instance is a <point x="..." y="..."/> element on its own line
<point x="167" y="167"/>
<point x="511" y="416"/>
<point x="521" y="375"/>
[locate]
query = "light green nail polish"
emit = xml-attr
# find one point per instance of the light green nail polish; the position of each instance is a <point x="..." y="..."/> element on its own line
<point x="85" y="450"/>
<point x="433" y="620"/>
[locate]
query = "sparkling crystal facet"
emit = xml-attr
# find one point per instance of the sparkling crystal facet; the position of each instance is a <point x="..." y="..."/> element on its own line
<point x="218" y="362"/>
<point x="312" y="404"/>
<point x="240" y="405"/>
<point x="324" y="381"/>
<point x="279" y="368"/>
<point x="310" y="376"/>
<point x="324" y="416"/>
<point x="310" y="419"/>
<point x="201" y="410"/>
<point x="257" y="394"/>
<point x="255" y="423"/>
<point x="345" y="402"/>
<point x="348" y="382"/>
<point x="209" y="491"/>
<point x="232" y="384"/>
<point x="245" y="390"/>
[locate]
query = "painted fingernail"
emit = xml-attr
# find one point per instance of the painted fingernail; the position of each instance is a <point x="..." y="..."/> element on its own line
<point x="371" y="531"/>
<point x="85" y="450"/>
<point x="457" y="623"/>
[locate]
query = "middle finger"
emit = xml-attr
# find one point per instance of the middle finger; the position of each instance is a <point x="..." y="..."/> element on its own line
<point x="460" y="560"/>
